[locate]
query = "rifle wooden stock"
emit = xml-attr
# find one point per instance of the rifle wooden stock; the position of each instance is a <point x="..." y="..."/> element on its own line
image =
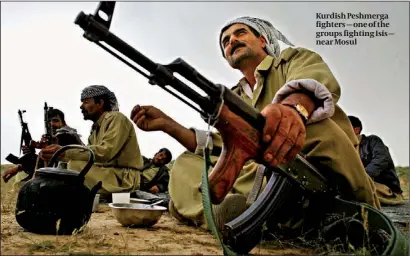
<point x="241" y="142"/>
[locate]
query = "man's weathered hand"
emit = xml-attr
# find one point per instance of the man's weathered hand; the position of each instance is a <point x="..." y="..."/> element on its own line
<point x="154" y="189"/>
<point x="25" y="149"/>
<point x="11" y="172"/>
<point x="149" y="118"/>
<point x="47" y="152"/>
<point x="43" y="139"/>
<point x="284" y="133"/>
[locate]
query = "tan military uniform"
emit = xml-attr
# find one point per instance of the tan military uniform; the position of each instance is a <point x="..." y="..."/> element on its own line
<point x="117" y="155"/>
<point x="150" y="172"/>
<point x="330" y="142"/>
<point x="387" y="197"/>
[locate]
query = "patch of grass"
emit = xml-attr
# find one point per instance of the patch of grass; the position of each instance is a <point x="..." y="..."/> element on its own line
<point x="67" y="248"/>
<point x="41" y="246"/>
<point x="403" y="173"/>
<point x="9" y="191"/>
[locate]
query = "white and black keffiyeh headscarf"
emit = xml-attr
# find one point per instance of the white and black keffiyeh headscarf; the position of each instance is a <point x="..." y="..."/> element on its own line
<point x="265" y="28"/>
<point x="100" y="90"/>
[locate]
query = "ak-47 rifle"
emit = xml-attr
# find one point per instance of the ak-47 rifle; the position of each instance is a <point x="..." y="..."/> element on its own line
<point x="28" y="160"/>
<point x="239" y="124"/>
<point x="48" y="137"/>
<point x="63" y="136"/>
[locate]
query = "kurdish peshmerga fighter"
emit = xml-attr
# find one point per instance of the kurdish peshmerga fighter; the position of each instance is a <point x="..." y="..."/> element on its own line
<point x="297" y="94"/>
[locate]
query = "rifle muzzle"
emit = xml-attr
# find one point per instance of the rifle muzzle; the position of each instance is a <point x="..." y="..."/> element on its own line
<point x="81" y="20"/>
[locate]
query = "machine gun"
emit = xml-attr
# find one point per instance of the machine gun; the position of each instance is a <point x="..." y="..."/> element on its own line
<point x="63" y="136"/>
<point x="28" y="160"/>
<point x="48" y="137"/>
<point x="239" y="124"/>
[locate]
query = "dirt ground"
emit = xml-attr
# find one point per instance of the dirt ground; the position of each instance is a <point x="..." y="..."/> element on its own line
<point x="104" y="235"/>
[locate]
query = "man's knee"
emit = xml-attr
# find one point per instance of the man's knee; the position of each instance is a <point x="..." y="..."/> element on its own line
<point x="327" y="138"/>
<point x="329" y="148"/>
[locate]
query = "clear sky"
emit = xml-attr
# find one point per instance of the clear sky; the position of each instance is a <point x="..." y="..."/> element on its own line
<point x="45" y="58"/>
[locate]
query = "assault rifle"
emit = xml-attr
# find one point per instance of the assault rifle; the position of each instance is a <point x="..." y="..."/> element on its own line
<point x="28" y="160"/>
<point x="63" y="136"/>
<point x="239" y="124"/>
<point x="48" y="138"/>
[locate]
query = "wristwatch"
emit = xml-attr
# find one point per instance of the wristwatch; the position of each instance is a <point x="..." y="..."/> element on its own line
<point x="303" y="113"/>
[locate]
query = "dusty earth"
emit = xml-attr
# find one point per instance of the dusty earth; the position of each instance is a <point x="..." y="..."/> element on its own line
<point x="104" y="235"/>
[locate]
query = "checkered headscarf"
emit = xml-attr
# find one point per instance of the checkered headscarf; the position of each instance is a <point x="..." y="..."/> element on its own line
<point x="265" y="28"/>
<point x="99" y="90"/>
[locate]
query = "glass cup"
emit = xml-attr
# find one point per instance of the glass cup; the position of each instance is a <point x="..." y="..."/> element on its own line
<point x="96" y="202"/>
<point x="123" y="198"/>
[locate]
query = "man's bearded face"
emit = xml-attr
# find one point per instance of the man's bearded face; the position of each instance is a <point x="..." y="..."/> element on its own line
<point x="159" y="158"/>
<point x="56" y="123"/>
<point x="90" y="109"/>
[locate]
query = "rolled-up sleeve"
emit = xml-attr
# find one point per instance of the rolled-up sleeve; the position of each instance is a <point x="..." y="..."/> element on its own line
<point x="307" y="64"/>
<point x="307" y="72"/>
<point x="201" y="137"/>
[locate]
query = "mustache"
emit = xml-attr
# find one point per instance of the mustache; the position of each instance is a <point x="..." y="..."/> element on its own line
<point x="236" y="45"/>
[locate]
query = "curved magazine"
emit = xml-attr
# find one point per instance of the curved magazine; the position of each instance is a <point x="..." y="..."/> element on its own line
<point x="245" y="232"/>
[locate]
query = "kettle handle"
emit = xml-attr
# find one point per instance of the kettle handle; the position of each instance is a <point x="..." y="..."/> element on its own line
<point x="61" y="150"/>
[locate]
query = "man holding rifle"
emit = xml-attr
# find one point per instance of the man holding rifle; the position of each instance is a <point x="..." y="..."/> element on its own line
<point x="112" y="139"/>
<point x="58" y="125"/>
<point x="297" y="94"/>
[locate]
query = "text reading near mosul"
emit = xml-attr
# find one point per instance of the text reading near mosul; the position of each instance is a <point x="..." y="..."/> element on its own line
<point x="345" y="29"/>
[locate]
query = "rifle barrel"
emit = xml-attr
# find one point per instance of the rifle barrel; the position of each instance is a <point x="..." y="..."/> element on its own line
<point x="94" y="31"/>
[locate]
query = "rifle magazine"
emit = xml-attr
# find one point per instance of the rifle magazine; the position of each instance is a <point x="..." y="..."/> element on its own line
<point x="245" y="232"/>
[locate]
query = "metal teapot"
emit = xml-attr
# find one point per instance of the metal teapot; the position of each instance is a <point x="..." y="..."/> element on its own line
<point x="56" y="201"/>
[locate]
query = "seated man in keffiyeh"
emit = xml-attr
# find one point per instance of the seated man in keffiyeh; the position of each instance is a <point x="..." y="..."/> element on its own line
<point x="113" y="141"/>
